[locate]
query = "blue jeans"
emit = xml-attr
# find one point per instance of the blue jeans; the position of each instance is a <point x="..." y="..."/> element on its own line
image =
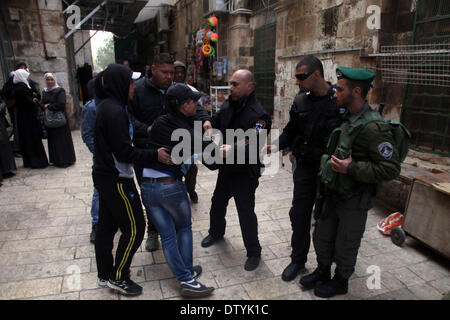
<point x="94" y="207"/>
<point x="170" y="211"/>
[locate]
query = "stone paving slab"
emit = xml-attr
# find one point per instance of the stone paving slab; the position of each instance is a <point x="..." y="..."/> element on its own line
<point x="45" y="253"/>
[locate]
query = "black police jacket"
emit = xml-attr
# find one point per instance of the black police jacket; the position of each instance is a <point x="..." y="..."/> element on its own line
<point x="311" y="120"/>
<point x="247" y="114"/>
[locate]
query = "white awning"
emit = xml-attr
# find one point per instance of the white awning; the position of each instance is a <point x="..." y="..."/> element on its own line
<point x="151" y="10"/>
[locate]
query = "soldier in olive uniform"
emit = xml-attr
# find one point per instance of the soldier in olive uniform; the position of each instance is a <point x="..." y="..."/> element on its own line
<point x="361" y="153"/>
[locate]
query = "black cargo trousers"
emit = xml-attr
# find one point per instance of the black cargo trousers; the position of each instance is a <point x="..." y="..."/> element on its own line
<point x="305" y="181"/>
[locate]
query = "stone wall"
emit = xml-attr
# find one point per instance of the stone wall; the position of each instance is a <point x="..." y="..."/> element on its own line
<point x="308" y="26"/>
<point x="28" y="46"/>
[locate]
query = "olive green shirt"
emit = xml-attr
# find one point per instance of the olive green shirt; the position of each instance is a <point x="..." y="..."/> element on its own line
<point x="375" y="157"/>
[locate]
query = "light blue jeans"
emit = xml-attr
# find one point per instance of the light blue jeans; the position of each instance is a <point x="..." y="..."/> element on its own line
<point x="170" y="211"/>
<point x="94" y="207"/>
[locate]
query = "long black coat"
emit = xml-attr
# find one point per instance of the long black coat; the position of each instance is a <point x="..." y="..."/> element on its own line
<point x="60" y="145"/>
<point x="29" y="128"/>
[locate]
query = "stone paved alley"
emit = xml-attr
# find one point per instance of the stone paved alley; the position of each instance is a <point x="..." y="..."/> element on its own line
<point x="44" y="239"/>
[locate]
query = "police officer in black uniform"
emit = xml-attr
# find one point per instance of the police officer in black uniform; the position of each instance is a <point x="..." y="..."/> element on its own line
<point x="314" y="114"/>
<point x="240" y="111"/>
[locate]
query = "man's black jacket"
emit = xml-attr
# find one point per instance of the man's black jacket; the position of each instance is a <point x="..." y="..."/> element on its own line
<point x="246" y="114"/>
<point x="148" y="103"/>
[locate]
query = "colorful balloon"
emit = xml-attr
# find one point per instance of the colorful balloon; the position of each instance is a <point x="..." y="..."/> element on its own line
<point x="214" y="37"/>
<point x="212" y="21"/>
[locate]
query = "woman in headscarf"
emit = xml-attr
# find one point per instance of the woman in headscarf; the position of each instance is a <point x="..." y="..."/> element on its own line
<point x="29" y="128"/>
<point x="60" y="145"/>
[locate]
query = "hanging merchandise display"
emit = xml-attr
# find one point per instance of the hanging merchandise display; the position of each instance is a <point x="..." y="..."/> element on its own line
<point x="205" y="35"/>
<point x="208" y="69"/>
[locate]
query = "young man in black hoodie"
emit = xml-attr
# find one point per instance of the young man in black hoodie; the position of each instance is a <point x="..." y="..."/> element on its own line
<point x="120" y="204"/>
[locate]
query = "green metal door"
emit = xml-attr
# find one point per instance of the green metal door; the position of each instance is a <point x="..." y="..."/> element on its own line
<point x="426" y="104"/>
<point x="264" y="64"/>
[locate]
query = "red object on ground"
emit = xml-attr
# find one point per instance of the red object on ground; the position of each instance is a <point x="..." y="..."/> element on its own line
<point x="392" y="221"/>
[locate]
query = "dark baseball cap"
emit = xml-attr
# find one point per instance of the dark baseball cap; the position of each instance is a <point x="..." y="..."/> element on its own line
<point x="181" y="93"/>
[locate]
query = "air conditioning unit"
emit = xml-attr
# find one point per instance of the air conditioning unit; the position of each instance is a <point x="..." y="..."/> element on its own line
<point x="210" y="6"/>
<point x="163" y="18"/>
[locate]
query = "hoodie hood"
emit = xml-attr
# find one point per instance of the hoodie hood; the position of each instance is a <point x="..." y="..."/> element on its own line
<point x="116" y="82"/>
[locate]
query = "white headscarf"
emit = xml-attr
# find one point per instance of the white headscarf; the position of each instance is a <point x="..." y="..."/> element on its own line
<point x="21" y="75"/>
<point x="48" y="74"/>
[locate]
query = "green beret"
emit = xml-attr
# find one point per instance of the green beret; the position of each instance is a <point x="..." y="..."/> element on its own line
<point x="357" y="74"/>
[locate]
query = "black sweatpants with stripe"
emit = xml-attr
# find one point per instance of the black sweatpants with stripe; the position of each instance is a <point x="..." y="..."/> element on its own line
<point x="120" y="208"/>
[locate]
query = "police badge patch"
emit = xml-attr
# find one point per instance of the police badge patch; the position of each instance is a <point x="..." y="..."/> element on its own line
<point x="385" y="149"/>
<point x="260" y="124"/>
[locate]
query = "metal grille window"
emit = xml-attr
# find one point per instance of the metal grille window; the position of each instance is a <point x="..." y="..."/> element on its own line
<point x="426" y="64"/>
<point x="425" y="68"/>
<point x="256" y="5"/>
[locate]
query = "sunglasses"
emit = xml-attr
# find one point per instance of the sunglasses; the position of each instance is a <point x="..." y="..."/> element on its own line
<point x="303" y="76"/>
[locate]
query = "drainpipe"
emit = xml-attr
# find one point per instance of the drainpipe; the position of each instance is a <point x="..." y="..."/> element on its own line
<point x="47" y="57"/>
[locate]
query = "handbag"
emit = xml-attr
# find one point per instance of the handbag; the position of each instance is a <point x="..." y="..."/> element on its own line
<point x="54" y="119"/>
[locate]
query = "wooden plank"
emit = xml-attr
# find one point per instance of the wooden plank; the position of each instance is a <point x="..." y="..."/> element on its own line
<point x="428" y="217"/>
<point x="432" y="178"/>
<point x="442" y="187"/>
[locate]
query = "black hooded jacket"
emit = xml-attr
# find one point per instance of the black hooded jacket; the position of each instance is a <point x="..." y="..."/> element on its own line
<point x="114" y="152"/>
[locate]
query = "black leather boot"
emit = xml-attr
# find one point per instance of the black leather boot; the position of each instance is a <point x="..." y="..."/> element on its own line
<point x="335" y="286"/>
<point x="321" y="274"/>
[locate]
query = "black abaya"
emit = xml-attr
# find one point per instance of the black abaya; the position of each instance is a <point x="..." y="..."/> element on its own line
<point x="60" y="145"/>
<point x="29" y="128"/>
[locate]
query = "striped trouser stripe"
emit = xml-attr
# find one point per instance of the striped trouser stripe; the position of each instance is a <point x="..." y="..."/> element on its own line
<point x="133" y="231"/>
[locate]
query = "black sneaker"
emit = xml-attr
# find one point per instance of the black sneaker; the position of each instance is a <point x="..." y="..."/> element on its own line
<point x="196" y="271"/>
<point x="126" y="287"/>
<point x="195" y="289"/>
